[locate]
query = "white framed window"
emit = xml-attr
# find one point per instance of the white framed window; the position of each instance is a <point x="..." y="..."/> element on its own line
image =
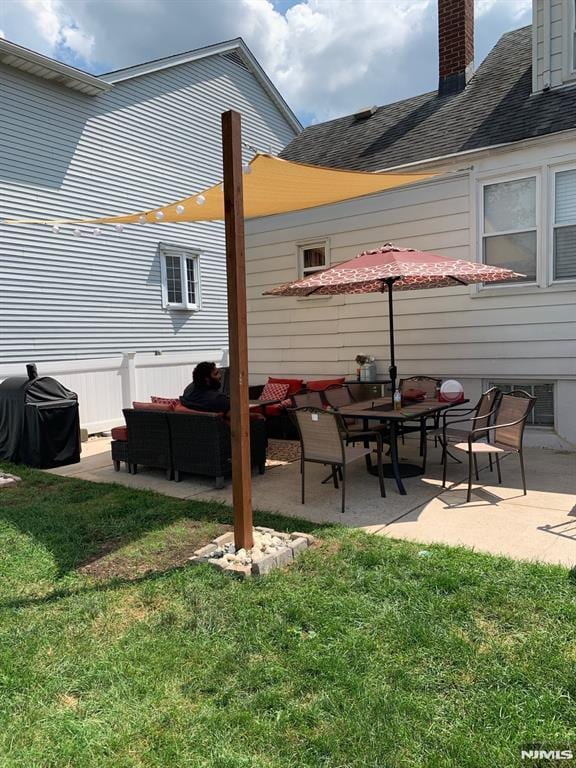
<point x="313" y="257"/>
<point x="568" y="25"/>
<point x="509" y="225"/>
<point x="180" y="273"/>
<point x="564" y="224"/>
<point x="542" y="414"/>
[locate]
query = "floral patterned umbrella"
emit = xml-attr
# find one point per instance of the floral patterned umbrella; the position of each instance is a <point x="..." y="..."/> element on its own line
<point x="392" y="268"/>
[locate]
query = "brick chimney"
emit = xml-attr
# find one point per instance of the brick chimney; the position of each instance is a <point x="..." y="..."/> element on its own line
<point x="455" y="44"/>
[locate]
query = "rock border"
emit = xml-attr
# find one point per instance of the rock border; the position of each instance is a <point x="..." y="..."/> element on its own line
<point x="272" y="549"/>
<point x="7" y="479"/>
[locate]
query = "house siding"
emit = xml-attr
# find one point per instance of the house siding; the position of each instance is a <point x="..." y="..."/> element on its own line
<point x="550" y="17"/>
<point x="501" y="334"/>
<point x="148" y="141"/>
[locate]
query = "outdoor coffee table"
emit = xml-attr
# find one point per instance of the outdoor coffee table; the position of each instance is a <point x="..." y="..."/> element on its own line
<point x="382" y="409"/>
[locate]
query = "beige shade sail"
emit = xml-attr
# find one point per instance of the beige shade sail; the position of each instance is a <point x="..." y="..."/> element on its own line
<point x="271" y="185"/>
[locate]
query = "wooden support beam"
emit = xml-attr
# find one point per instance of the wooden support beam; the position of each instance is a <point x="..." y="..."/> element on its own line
<point x="237" y="329"/>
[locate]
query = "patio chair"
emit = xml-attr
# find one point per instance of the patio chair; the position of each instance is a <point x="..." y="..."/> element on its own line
<point x="480" y="417"/>
<point x="430" y="386"/>
<point x="307" y="399"/>
<point x="336" y="397"/>
<point x="505" y="434"/>
<point x="323" y="441"/>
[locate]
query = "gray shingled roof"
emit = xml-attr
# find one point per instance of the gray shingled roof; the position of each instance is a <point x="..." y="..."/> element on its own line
<point x="496" y="107"/>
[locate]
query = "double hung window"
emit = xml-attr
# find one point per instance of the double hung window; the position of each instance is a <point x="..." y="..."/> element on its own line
<point x="180" y="270"/>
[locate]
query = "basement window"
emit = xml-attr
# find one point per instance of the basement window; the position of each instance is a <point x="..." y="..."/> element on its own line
<point x="542" y="414"/>
<point x="180" y="273"/>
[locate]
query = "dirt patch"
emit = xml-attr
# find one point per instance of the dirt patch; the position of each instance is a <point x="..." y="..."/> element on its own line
<point x="156" y="552"/>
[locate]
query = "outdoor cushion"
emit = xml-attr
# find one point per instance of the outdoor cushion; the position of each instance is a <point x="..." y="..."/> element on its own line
<point x="294" y="385"/>
<point x="321" y="384"/>
<point x="120" y="433"/>
<point x="172" y="401"/>
<point x="278" y="408"/>
<point x="151" y="407"/>
<point x="273" y="391"/>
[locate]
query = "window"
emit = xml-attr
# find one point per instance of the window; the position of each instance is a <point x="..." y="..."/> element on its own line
<point x="573" y="36"/>
<point x="564" y="225"/>
<point x="180" y="270"/>
<point x="509" y="226"/>
<point x="542" y="414"/>
<point x="313" y="257"/>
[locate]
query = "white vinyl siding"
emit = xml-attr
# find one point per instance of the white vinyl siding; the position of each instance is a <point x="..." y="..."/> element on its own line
<point x="553" y="44"/>
<point x="564" y="235"/>
<point x="148" y="141"/>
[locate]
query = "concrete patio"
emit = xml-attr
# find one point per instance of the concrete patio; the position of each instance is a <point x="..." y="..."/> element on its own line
<point x="499" y="519"/>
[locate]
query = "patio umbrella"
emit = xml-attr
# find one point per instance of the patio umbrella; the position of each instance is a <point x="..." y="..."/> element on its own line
<point x="393" y="269"/>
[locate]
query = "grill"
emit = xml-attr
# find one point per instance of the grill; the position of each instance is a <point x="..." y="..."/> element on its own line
<point x="39" y="421"/>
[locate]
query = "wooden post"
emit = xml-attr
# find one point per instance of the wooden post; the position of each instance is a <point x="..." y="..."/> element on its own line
<point x="237" y="329"/>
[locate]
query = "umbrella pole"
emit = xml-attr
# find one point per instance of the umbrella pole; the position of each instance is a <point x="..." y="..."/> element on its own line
<point x="392" y="370"/>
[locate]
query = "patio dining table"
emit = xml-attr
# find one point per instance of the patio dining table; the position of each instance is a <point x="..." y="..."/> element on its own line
<point x="382" y="409"/>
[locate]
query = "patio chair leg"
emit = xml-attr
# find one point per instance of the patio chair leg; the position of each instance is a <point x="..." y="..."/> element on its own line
<point x="176" y="475"/>
<point x="476" y="468"/>
<point x="134" y="469"/>
<point x="219" y="482"/>
<point x="302" y="475"/>
<point x="498" y="470"/>
<point x="444" y="462"/>
<point x="335" y="476"/>
<point x="380" y="469"/>
<point x="469" y="495"/>
<point x="116" y="465"/>
<point x="523" y="472"/>
<point x="343" y="488"/>
<point x="424" y="452"/>
<point x="262" y="468"/>
<point x="490" y="462"/>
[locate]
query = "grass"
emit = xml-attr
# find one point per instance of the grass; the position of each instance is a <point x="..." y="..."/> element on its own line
<point x="365" y="654"/>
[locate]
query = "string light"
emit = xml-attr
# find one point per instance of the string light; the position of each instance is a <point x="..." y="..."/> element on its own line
<point x="141" y="219"/>
<point x="55" y="229"/>
<point x="119" y="227"/>
<point x="247" y="168"/>
<point x="179" y="209"/>
<point x="77" y="232"/>
<point x="159" y="215"/>
<point x="200" y="200"/>
<point x="96" y="232"/>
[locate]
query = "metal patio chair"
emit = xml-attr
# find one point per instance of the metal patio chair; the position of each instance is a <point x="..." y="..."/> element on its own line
<point x="323" y="440"/>
<point x="479" y="416"/>
<point x="307" y="399"/>
<point x="430" y="386"/>
<point x="505" y="434"/>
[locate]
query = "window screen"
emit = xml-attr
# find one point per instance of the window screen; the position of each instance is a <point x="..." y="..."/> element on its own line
<point x="565" y="225"/>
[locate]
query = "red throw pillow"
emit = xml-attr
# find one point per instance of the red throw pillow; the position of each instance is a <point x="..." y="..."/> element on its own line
<point x="321" y="384"/>
<point x="273" y="391"/>
<point x="120" y="433"/>
<point x="294" y="385"/>
<point x="171" y="401"/>
<point x="151" y="407"/>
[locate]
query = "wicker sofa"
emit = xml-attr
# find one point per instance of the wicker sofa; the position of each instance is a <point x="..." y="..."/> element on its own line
<point x="195" y="443"/>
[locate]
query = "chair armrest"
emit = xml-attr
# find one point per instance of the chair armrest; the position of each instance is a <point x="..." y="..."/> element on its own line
<point x="492" y="427"/>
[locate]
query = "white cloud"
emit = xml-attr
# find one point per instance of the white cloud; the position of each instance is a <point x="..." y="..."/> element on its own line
<point x="327" y="57"/>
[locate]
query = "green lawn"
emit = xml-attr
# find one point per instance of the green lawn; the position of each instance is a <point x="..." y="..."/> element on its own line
<point x="366" y="653"/>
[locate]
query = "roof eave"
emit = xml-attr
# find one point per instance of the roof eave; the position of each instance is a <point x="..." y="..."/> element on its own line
<point x="37" y="64"/>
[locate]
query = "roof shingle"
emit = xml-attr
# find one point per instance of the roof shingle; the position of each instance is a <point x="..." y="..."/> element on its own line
<point x="496" y="107"/>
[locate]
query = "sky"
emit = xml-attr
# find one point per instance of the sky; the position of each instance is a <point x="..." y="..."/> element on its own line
<point x="327" y="57"/>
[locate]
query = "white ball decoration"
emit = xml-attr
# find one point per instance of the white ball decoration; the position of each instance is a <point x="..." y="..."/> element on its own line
<point x="159" y="215"/>
<point x="451" y="391"/>
<point x="96" y="232"/>
<point x="200" y="200"/>
<point x="141" y="219"/>
<point x="55" y="229"/>
<point x="77" y="232"/>
<point x="247" y="168"/>
<point x="179" y="210"/>
<point x="119" y="227"/>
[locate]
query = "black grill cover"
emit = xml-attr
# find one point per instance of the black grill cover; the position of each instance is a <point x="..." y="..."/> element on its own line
<point x="39" y="422"/>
